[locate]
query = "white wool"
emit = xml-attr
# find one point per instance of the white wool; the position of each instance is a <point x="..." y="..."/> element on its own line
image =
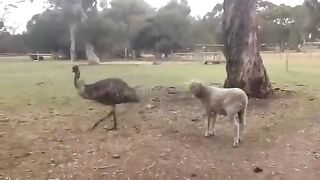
<point x="223" y="100"/>
<point x="231" y="102"/>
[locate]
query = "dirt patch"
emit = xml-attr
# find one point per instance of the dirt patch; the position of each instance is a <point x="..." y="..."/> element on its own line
<point x="162" y="138"/>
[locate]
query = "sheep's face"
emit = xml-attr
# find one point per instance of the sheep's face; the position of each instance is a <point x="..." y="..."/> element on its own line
<point x="196" y="88"/>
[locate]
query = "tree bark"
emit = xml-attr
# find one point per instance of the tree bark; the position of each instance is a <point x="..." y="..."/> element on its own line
<point x="245" y="67"/>
<point x="92" y="58"/>
<point x="72" y="28"/>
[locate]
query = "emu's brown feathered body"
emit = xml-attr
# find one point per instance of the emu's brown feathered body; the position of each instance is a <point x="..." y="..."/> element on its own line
<point x="109" y="92"/>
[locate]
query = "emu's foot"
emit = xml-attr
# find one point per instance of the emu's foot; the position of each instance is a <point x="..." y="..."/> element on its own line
<point x="113" y="128"/>
<point x="210" y="133"/>
<point x="93" y="128"/>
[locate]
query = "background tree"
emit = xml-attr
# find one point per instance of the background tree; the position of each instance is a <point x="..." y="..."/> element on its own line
<point x="313" y="27"/>
<point x="76" y="12"/>
<point x="5" y="11"/>
<point x="48" y="32"/>
<point x="209" y="28"/>
<point x="130" y="13"/>
<point x="108" y="30"/>
<point x="107" y="36"/>
<point x="281" y="24"/>
<point x="167" y="31"/>
<point x="298" y="33"/>
<point x="281" y="16"/>
<point x="9" y="41"/>
<point x="13" y="43"/>
<point x="245" y="68"/>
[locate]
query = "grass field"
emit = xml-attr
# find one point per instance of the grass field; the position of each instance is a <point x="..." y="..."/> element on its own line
<point x="19" y="79"/>
<point x="43" y="125"/>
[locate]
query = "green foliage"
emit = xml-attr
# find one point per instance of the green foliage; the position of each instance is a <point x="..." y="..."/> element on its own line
<point x="49" y="32"/>
<point x="209" y="28"/>
<point x="167" y="30"/>
<point x="133" y="24"/>
<point x="131" y="13"/>
<point x="313" y="7"/>
<point x="5" y="10"/>
<point x="281" y="24"/>
<point x="13" y="43"/>
<point x="1" y="25"/>
<point x="105" y="34"/>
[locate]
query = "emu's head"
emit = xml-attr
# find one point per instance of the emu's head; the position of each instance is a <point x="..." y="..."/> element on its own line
<point x="75" y="69"/>
<point x="197" y="89"/>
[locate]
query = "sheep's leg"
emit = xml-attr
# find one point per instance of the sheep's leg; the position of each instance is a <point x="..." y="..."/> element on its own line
<point x="114" y="119"/>
<point x="242" y="123"/>
<point x="213" y="123"/>
<point x="209" y="117"/>
<point x="236" y="127"/>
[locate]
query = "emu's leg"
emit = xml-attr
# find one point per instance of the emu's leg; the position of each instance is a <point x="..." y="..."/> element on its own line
<point x="101" y="120"/>
<point x="209" y="117"/>
<point x="114" y="118"/>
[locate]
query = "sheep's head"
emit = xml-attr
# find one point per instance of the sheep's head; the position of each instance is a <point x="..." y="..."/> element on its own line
<point x="197" y="89"/>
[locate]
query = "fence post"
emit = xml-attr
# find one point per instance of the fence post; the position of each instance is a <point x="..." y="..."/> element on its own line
<point x="287" y="61"/>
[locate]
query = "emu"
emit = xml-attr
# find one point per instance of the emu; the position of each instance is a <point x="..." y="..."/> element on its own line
<point x="110" y="92"/>
<point x="231" y="102"/>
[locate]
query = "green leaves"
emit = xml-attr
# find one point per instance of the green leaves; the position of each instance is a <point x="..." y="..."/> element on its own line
<point x="166" y="30"/>
<point x="313" y="7"/>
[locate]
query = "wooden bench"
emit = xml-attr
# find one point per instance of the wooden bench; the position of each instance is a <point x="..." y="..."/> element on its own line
<point x="40" y="56"/>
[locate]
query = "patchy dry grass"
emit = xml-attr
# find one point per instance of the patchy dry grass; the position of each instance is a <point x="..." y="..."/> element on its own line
<point x="43" y="125"/>
<point x="50" y="83"/>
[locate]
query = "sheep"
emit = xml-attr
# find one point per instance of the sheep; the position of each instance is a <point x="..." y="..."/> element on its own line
<point x="230" y="102"/>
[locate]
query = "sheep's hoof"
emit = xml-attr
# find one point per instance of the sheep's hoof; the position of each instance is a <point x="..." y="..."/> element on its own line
<point x="214" y="133"/>
<point x="208" y="133"/>
<point x="235" y="145"/>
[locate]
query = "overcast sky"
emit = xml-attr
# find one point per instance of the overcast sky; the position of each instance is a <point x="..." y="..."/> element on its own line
<point x="25" y="11"/>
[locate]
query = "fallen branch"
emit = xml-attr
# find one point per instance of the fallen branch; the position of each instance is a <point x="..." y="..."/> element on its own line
<point x="103" y="167"/>
<point x="148" y="167"/>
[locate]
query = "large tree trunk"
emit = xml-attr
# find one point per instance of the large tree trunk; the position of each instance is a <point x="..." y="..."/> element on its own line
<point x="72" y="28"/>
<point x="93" y="59"/>
<point x="245" y="68"/>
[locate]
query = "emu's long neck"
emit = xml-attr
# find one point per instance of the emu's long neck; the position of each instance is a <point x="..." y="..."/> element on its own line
<point x="79" y="85"/>
<point x="76" y="80"/>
